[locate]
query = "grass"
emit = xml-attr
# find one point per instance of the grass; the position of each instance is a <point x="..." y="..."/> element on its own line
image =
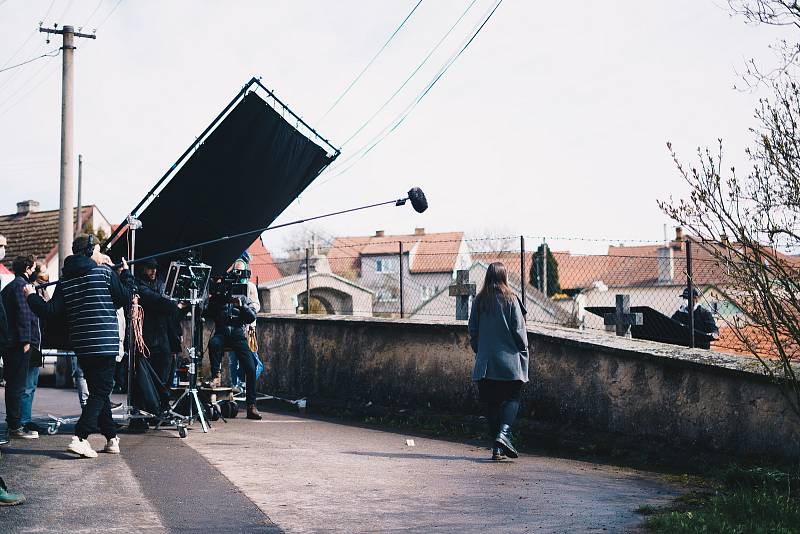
<point x="734" y="500"/>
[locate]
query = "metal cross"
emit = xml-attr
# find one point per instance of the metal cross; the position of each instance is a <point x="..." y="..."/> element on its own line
<point x="462" y="290"/>
<point x="622" y="318"/>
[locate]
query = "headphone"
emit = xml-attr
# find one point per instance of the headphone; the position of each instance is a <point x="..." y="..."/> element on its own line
<point x="89" y="246"/>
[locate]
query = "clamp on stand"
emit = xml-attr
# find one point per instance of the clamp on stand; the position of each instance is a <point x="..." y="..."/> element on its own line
<point x="195" y="407"/>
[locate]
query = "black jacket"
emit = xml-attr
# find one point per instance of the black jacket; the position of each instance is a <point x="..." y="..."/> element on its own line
<point x="86" y="299"/>
<point x="3" y="329"/>
<point x="23" y="325"/>
<point x="160" y="314"/>
<point x="703" y="322"/>
<point x="230" y="318"/>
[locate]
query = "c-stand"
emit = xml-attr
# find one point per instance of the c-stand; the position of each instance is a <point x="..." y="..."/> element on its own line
<point x="171" y="416"/>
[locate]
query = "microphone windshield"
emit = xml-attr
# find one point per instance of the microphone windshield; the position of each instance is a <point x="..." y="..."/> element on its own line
<point x="418" y="200"/>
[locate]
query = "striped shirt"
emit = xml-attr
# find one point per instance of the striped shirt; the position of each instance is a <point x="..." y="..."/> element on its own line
<point x="91" y="314"/>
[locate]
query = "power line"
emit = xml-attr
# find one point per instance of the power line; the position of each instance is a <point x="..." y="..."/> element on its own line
<point x="367" y="147"/>
<point x="100" y="3"/>
<point x="24" y="86"/>
<point x="113" y="9"/>
<point x="371" y="61"/>
<point x="413" y="73"/>
<point x="52" y="53"/>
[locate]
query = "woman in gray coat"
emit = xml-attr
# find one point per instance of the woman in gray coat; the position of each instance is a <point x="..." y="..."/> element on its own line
<point x="498" y="336"/>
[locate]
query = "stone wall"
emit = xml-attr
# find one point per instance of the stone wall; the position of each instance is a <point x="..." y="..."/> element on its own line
<point x="672" y="395"/>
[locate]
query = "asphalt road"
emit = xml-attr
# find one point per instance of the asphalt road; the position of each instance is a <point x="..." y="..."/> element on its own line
<point x="301" y="474"/>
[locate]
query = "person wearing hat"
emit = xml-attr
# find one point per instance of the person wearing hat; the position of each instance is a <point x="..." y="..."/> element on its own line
<point x="87" y="298"/>
<point x="160" y="313"/>
<point x="703" y="319"/>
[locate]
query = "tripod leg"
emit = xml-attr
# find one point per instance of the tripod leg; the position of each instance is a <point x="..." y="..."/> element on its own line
<point x="200" y="414"/>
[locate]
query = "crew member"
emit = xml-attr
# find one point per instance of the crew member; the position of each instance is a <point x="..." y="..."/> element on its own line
<point x="159" y="314"/>
<point x="237" y="375"/>
<point x="231" y="314"/>
<point x="703" y="319"/>
<point x="87" y="297"/>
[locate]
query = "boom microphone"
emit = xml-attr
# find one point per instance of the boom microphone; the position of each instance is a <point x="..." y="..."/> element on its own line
<point x="418" y="200"/>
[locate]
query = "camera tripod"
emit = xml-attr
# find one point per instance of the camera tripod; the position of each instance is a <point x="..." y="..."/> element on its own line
<point x="195" y="407"/>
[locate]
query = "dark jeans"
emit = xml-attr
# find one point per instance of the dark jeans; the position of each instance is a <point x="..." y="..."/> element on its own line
<point x="238" y="344"/>
<point x="502" y="402"/>
<point x="16" y="364"/>
<point x="96" y="415"/>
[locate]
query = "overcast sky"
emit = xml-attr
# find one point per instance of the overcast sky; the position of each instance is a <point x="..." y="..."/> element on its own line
<point x="552" y="123"/>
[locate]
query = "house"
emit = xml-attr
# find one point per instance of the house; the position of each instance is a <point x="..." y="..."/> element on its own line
<point x="442" y="306"/>
<point x="653" y="275"/>
<point x="33" y="232"/>
<point x="330" y="293"/>
<point x="429" y="264"/>
<point x="262" y="266"/>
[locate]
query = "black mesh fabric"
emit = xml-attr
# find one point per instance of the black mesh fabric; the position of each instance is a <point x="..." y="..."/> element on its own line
<point x="242" y="176"/>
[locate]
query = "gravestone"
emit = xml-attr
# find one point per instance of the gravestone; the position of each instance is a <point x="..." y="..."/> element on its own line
<point x="622" y="318"/>
<point x="462" y="290"/>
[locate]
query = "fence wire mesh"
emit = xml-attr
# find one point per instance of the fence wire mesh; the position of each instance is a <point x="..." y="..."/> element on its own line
<point x="414" y="277"/>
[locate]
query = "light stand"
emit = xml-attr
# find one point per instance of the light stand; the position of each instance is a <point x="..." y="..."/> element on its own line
<point x="191" y="393"/>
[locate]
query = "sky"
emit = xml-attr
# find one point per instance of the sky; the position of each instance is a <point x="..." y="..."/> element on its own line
<point x="553" y="122"/>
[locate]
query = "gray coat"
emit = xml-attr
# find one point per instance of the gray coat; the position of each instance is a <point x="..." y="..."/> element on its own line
<point x="500" y="341"/>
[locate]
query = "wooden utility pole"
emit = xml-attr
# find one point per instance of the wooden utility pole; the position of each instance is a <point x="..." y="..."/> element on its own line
<point x="65" y="220"/>
<point x="79" y="214"/>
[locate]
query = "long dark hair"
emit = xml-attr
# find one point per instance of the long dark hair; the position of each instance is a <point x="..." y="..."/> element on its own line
<point x="495" y="283"/>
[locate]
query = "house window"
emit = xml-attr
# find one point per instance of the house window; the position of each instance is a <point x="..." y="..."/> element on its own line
<point x="385" y="265"/>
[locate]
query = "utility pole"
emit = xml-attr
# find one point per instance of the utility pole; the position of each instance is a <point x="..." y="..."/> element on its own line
<point x="65" y="220"/>
<point x="78" y="216"/>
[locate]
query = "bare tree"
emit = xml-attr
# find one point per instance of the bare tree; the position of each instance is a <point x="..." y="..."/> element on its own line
<point x="750" y="222"/>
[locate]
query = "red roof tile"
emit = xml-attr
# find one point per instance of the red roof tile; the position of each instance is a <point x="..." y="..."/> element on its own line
<point x="434" y="253"/>
<point x="262" y="265"/>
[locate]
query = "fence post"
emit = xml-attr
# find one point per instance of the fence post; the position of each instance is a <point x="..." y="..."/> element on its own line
<point x="690" y="288"/>
<point x="522" y="266"/>
<point x="308" y="283"/>
<point x="544" y="267"/>
<point x="402" y="312"/>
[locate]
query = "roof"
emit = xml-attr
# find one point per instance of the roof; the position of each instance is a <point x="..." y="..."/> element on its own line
<point x="4" y="269"/>
<point x="432" y="253"/>
<point x="34" y="233"/>
<point x="302" y="277"/>
<point x="759" y="339"/>
<point x="637" y="266"/>
<point x="511" y="261"/>
<point x="262" y="265"/>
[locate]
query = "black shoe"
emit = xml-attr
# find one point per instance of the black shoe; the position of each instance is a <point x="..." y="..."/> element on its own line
<point x="503" y="441"/>
<point x="497" y="454"/>
<point x="252" y="412"/>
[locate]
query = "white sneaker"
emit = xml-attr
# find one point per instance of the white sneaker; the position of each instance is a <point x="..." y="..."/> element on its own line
<point x="81" y="447"/>
<point x="112" y="446"/>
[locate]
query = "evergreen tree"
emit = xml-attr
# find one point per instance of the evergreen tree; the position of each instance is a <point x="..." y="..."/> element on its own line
<point x="536" y="273"/>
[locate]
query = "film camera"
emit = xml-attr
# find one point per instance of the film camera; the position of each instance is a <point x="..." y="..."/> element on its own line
<point x="231" y="285"/>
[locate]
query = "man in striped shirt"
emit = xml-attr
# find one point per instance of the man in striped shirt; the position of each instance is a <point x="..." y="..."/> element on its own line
<point x="87" y="297"/>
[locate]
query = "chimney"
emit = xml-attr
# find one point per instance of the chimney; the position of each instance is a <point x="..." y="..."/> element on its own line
<point x="419" y="231"/>
<point x="27" y="206"/>
<point x="379" y="233"/>
<point x="677" y="244"/>
<point x="666" y="265"/>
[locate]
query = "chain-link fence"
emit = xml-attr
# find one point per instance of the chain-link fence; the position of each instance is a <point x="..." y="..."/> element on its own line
<point x="417" y="277"/>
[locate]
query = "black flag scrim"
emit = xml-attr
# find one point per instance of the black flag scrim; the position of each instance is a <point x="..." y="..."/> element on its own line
<point x="241" y="177"/>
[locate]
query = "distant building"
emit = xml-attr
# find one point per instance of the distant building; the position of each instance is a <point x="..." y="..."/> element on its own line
<point x="429" y="264"/>
<point x="540" y="308"/>
<point x="35" y="233"/>
<point x="330" y="294"/>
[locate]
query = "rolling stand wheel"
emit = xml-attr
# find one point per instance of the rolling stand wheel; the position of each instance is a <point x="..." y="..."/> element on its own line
<point x="52" y="428"/>
<point x="182" y="432"/>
